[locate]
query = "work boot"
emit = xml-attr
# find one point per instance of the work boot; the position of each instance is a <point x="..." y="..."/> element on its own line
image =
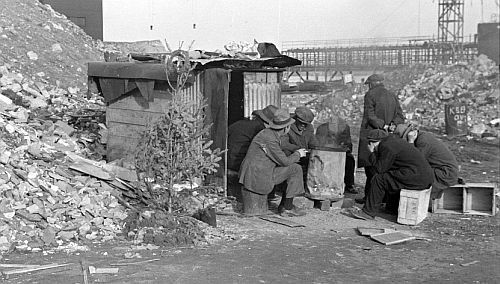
<point x="360" y="200"/>
<point x="351" y="189"/>
<point x="294" y="212"/>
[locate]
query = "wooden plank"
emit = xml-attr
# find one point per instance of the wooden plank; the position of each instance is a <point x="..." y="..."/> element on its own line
<point x="392" y="238"/>
<point x="281" y="221"/>
<point x="133" y="263"/>
<point x="91" y="170"/>
<point x="135" y="101"/>
<point x="372" y="231"/>
<point x="124" y="129"/>
<point x="16" y="265"/>
<point x="31" y="269"/>
<point x="131" y="116"/>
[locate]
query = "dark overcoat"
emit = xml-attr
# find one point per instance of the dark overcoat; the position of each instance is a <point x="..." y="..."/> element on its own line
<point x="403" y="162"/>
<point x="381" y="107"/>
<point x="440" y="158"/>
<point x="239" y="137"/>
<point x="263" y="157"/>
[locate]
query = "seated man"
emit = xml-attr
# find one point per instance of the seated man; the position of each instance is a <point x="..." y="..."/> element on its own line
<point x="440" y="158"/>
<point x="266" y="165"/>
<point x="337" y="134"/>
<point x="301" y="135"/>
<point x="241" y="133"/>
<point x="398" y="165"/>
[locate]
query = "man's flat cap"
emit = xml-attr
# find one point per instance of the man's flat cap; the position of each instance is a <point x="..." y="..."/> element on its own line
<point x="375" y="135"/>
<point x="375" y="78"/>
<point x="303" y="114"/>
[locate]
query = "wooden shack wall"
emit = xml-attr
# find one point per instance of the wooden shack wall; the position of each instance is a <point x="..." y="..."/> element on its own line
<point x="128" y="116"/>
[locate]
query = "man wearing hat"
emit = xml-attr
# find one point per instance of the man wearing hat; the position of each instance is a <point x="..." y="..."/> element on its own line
<point x="397" y="165"/>
<point x="266" y="165"/>
<point x="381" y="111"/>
<point x="241" y="133"/>
<point x="301" y="135"/>
<point x="440" y="158"/>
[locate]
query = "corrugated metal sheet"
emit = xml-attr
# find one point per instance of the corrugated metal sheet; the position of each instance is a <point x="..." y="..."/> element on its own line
<point x="260" y="90"/>
<point x="193" y="92"/>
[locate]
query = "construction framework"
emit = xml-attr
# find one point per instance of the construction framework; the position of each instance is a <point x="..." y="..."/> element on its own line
<point x="450" y="30"/>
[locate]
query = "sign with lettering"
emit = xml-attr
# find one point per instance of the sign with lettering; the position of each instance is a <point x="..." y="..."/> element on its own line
<point x="456" y="119"/>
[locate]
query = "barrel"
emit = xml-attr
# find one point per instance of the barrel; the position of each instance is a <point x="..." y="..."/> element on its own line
<point x="325" y="175"/>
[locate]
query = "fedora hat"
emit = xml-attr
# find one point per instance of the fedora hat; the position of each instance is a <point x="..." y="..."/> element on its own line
<point x="267" y="113"/>
<point x="281" y="119"/>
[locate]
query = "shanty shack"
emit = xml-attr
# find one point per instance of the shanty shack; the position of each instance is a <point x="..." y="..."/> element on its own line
<point x="136" y="93"/>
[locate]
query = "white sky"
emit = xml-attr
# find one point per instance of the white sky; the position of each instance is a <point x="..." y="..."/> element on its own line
<point x="219" y="22"/>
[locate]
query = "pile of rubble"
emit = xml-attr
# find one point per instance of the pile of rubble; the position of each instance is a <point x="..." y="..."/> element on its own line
<point x="48" y="195"/>
<point x="45" y="46"/>
<point x="475" y="85"/>
<point x="423" y="92"/>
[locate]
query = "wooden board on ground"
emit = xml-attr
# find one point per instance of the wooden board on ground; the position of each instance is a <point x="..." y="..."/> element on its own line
<point x="91" y="170"/>
<point x="373" y="231"/>
<point x="285" y="222"/>
<point x="392" y="238"/>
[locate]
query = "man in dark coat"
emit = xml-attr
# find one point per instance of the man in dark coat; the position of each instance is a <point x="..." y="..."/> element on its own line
<point x="266" y="165"/>
<point x="381" y="111"/>
<point x="398" y="165"/>
<point x="337" y="134"/>
<point x="241" y="133"/>
<point x="301" y="135"/>
<point x="440" y="158"/>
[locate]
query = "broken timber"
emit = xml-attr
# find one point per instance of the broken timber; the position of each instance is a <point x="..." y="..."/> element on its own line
<point x="281" y="221"/>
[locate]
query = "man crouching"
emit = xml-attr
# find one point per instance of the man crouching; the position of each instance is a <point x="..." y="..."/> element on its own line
<point x="398" y="165"/>
<point x="266" y="165"/>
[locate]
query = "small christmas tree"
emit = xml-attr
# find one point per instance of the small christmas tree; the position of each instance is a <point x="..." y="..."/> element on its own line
<point x="175" y="147"/>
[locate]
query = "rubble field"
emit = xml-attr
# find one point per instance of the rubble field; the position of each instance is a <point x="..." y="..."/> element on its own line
<point x="61" y="202"/>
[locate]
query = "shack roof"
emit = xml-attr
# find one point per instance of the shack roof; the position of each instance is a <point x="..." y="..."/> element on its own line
<point x="152" y="68"/>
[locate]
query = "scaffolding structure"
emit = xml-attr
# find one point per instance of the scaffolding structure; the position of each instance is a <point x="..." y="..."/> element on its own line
<point x="450" y="30"/>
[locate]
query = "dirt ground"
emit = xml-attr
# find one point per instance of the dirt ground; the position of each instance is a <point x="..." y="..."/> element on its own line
<point x="328" y="249"/>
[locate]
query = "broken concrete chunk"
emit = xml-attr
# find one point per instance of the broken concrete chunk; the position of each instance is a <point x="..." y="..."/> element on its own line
<point x="64" y="127"/>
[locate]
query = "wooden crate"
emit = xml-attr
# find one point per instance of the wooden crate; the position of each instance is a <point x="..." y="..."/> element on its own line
<point x="413" y="206"/>
<point x="451" y="201"/>
<point x="479" y="199"/>
<point x="470" y="198"/>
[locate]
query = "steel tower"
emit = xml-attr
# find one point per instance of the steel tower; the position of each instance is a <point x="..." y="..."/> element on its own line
<point x="450" y="30"/>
